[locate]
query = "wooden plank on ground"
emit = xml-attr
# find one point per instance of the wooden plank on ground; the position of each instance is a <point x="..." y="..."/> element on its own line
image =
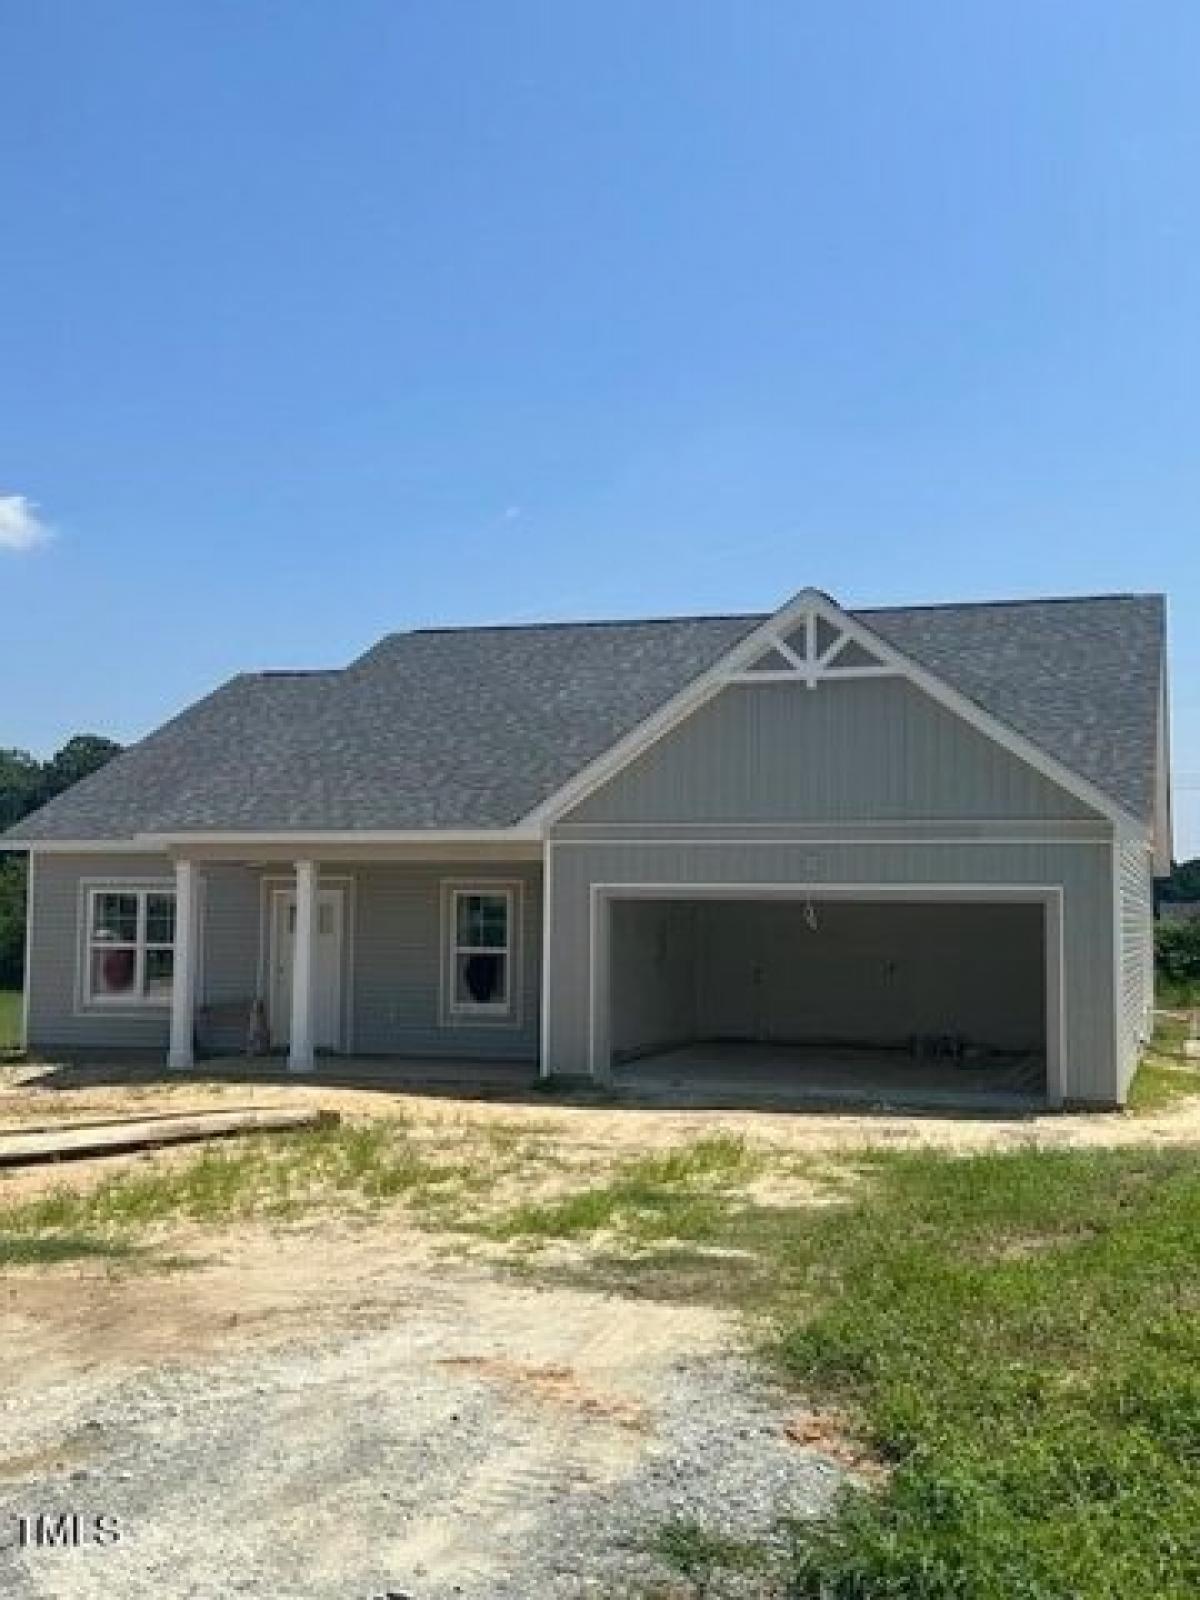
<point x="20" y="1148"/>
<point x="122" y="1119"/>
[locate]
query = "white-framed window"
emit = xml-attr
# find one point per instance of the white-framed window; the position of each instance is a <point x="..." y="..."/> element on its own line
<point x="129" y="946"/>
<point x="480" y="976"/>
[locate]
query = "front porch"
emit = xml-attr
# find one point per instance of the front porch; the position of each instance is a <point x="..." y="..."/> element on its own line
<point x="340" y="966"/>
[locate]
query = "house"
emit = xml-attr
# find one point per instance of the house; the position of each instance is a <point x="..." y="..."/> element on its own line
<point x="928" y="831"/>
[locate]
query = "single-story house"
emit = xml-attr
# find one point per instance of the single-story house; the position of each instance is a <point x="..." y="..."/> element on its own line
<point x="928" y="831"/>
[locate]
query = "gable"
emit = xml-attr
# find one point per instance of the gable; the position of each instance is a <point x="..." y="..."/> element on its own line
<point x="507" y="728"/>
<point x="854" y="749"/>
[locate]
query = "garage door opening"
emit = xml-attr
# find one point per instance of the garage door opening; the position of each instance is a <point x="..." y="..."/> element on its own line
<point x="922" y="1001"/>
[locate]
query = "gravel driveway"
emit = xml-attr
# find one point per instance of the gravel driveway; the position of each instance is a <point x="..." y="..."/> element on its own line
<point x="348" y="1423"/>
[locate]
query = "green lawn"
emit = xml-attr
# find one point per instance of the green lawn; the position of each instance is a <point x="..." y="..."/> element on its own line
<point x="10" y="1019"/>
<point x="1016" y="1335"/>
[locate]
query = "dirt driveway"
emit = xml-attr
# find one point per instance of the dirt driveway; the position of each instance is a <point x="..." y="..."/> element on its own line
<point x="330" y="1413"/>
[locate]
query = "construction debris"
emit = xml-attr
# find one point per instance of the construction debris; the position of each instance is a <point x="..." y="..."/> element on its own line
<point x="75" y="1141"/>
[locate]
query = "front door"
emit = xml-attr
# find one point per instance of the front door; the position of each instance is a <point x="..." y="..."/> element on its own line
<point x="327" y="967"/>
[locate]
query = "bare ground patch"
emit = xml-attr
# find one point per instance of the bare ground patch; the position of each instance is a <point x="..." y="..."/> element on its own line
<point x="358" y="1413"/>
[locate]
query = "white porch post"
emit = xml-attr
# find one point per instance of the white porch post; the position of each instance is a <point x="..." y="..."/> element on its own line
<point x="300" y="1057"/>
<point x="183" y="980"/>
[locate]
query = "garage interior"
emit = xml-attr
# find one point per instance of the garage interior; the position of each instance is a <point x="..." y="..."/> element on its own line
<point x="870" y="1002"/>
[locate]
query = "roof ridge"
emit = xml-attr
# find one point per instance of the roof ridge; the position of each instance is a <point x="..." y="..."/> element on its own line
<point x="550" y="624"/>
<point x="294" y="672"/>
<point x="582" y="622"/>
<point x="1024" y="600"/>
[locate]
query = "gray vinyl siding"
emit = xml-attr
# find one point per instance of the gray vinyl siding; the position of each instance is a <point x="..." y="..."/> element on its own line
<point x="1083" y="871"/>
<point x="58" y="1017"/>
<point x="229" y="975"/>
<point x="398" y="956"/>
<point x="393" y="954"/>
<point x="867" y="750"/>
<point x="1135" y="891"/>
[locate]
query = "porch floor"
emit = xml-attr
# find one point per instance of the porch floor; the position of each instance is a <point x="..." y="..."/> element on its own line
<point x="470" y="1079"/>
<point x="751" y="1074"/>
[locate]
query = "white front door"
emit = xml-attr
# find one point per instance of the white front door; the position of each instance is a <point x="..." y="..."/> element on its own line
<point x="327" y="967"/>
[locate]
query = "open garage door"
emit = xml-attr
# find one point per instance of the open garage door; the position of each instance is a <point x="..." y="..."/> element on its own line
<point x="877" y="1000"/>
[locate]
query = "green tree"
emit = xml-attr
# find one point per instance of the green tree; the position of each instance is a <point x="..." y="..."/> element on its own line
<point x="12" y="922"/>
<point x="25" y="784"/>
<point x="1184" y="882"/>
<point x="1177" y="952"/>
<point x="79" y="758"/>
<point x="20" y="785"/>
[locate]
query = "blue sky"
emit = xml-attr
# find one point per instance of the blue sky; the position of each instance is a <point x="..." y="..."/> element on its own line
<point x="320" y="320"/>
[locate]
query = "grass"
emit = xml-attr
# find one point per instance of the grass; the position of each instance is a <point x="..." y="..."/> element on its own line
<point x="1017" y="1336"/>
<point x="51" y="1249"/>
<point x="10" y="1019"/>
<point x="355" y="1165"/>
<point x="1170" y="1035"/>
<point x="1160" y="1085"/>
<point x="1018" y="1333"/>
<point x="1165" y="1076"/>
<point x="680" y="1194"/>
<point x="701" y="1556"/>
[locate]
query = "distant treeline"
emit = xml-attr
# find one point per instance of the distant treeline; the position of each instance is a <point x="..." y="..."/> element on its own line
<point x="25" y="784"/>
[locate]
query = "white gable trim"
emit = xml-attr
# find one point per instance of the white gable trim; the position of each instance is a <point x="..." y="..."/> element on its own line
<point x="806" y="608"/>
<point x="808" y="664"/>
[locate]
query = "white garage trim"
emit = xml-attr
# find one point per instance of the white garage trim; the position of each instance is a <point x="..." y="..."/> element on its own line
<point x="1048" y="896"/>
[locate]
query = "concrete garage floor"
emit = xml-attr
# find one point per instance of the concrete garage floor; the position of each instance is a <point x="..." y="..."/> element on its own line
<point x="782" y="1076"/>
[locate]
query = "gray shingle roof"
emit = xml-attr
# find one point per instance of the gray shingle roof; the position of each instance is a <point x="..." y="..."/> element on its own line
<point x="472" y="728"/>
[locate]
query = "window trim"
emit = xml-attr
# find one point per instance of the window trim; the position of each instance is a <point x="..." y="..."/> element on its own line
<point x="137" y="999"/>
<point x="453" y="1012"/>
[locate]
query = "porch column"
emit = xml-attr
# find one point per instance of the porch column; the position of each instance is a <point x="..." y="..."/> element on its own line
<point x="300" y="1057"/>
<point x="183" y="978"/>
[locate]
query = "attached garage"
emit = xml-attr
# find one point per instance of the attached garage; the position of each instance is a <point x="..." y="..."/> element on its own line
<point x="870" y="994"/>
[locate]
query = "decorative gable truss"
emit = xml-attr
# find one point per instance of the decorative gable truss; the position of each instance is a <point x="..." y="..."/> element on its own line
<point x="813" y="648"/>
<point x="809" y="641"/>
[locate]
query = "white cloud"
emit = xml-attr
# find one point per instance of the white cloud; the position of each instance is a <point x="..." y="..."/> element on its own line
<point x="21" y="528"/>
<point x="511" y="513"/>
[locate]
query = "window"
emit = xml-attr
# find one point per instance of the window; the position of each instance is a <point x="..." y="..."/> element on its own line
<point x="130" y="956"/>
<point x="480" y="967"/>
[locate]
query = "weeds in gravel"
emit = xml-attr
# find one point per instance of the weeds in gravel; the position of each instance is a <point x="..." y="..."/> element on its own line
<point x="703" y="1558"/>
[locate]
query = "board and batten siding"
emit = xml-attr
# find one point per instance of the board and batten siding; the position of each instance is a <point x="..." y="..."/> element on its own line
<point x="1081" y="870"/>
<point x="393" y="953"/>
<point x="1135" y="921"/>
<point x="869" y="750"/>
